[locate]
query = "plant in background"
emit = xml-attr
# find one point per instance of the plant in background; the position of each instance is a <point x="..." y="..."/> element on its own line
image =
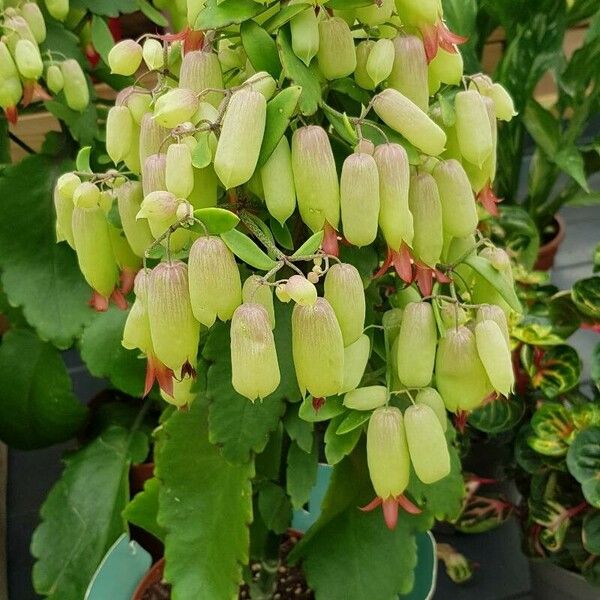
<point x="344" y="330"/>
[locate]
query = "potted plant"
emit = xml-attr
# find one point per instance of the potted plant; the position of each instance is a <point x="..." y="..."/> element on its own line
<point x="290" y="248"/>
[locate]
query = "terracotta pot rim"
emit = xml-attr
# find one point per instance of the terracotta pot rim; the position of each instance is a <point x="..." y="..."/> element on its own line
<point x="560" y="234"/>
<point x="548" y="251"/>
<point x="154" y="575"/>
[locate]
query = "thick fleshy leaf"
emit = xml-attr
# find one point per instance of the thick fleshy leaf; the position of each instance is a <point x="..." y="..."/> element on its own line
<point x="81" y="517"/>
<point x="245" y="249"/>
<point x="313" y="411"/>
<point x="552" y="429"/>
<point x="260" y="48"/>
<point x="275" y="507"/>
<point x="339" y="445"/>
<point x="311" y="245"/>
<point x="216" y="220"/>
<point x="591" y="532"/>
<point x="554" y="371"/>
<point x="586" y="295"/>
<point x="217" y="14"/>
<point x="37" y="407"/>
<point x="583" y="460"/>
<point x="101" y="37"/>
<point x="301" y="473"/>
<point x="142" y="510"/>
<point x="502" y="414"/>
<point x="109" y="8"/>
<point x="204" y="556"/>
<point x="518" y="234"/>
<point x="299" y="430"/>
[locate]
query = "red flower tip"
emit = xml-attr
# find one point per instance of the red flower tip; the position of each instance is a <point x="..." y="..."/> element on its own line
<point x="424" y="277"/>
<point x="331" y="240"/>
<point x="489" y="200"/>
<point x="157" y="371"/>
<point x="401" y="260"/>
<point x="194" y="40"/>
<point x="126" y="280"/>
<point x="12" y="114"/>
<point x="28" y="90"/>
<point x="439" y="36"/>
<point x="390" y="508"/>
<point x="460" y="420"/>
<point x="98" y="302"/>
<point x="119" y="300"/>
<point x="318" y="403"/>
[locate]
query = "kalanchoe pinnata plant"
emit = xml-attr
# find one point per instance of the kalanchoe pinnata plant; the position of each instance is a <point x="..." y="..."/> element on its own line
<point x="317" y="208"/>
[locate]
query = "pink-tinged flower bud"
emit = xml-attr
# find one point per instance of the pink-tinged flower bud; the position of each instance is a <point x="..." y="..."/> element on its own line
<point x="391" y="321"/>
<point x="459" y="373"/>
<point x="278" y="182"/>
<point x="395" y="218"/>
<point x="336" y="55"/>
<point x="160" y="209"/>
<point x="356" y="356"/>
<point x="315" y="176"/>
<point x="446" y="67"/>
<point x="58" y="9"/>
<point x="409" y="72"/>
<point x="387" y="452"/>
<point x="426" y="208"/>
<point x="381" y="60"/>
<point x="361" y="75"/>
<point x="473" y="127"/>
<point x="63" y="205"/>
<point x="241" y="137"/>
<point x="417" y="12"/>
<point x="94" y="249"/>
<point x="431" y="398"/>
<point x="127" y="260"/>
<point x="366" y="398"/>
<point x="304" y="29"/>
<point x="153" y="54"/>
<point x="405" y="117"/>
<point x="76" y="89"/>
<point x="491" y="162"/>
<point x="137" y="231"/>
<point x="503" y="102"/>
<point x="15" y="29"/>
<point x="254" y="366"/>
<point x="204" y="194"/>
<point x="427" y="444"/>
<point x="137" y="100"/>
<point x="282" y="294"/>
<point x="262" y="82"/>
<point x="54" y="79"/>
<point x="359" y="199"/>
<point x="377" y="14"/>
<point x="494" y="313"/>
<point x="175" y="332"/>
<point x="86" y="195"/>
<point x="318" y="349"/>
<point x="119" y="133"/>
<point x="31" y="12"/>
<point x="175" y="107"/>
<point x="200" y="71"/>
<point x="500" y="261"/>
<point x="301" y="290"/>
<point x="256" y="290"/>
<point x="154" y="174"/>
<point x="153" y="138"/>
<point x="136" y="333"/>
<point x="183" y="392"/>
<point x="215" y="284"/>
<point x="67" y="184"/>
<point x="345" y="291"/>
<point x="459" y="212"/>
<point x="125" y="57"/>
<point x="417" y="343"/>
<point x="29" y="60"/>
<point x="179" y="172"/>
<point x="495" y="356"/>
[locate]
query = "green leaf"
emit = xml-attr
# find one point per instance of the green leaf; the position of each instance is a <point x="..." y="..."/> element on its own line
<point x="202" y="154"/>
<point x="551" y="430"/>
<point x="586" y="295"/>
<point x="216" y="220"/>
<point x="348" y="87"/>
<point x="339" y="123"/>
<point x="107" y="8"/>
<point x="300" y="74"/>
<point x="216" y="14"/>
<point x="519" y="234"/>
<point x="348" y="4"/>
<point x="281" y="233"/>
<point x="570" y="160"/>
<point x="154" y="15"/>
<point x="331" y="408"/>
<point x="353" y="419"/>
<point x="82" y="162"/>
<point x="310" y="246"/>
<point x="275" y="507"/>
<point x="38" y="274"/>
<point x="61" y="40"/>
<point x="595" y="366"/>
<point x="461" y="16"/>
<point x="260" y="48"/>
<point x="543" y="127"/>
<point x="557" y="370"/>
<point x="590" y="532"/>
<point x="205" y="506"/>
<point x="299" y="430"/>
<point x="82" y="125"/>
<point x="337" y="446"/>
<point x="500" y="415"/>
<point x="105" y="356"/>
<point x="280" y="110"/>
<point x="142" y="510"/>
<point x="583" y="460"/>
<point x="301" y="473"/>
<point x="346" y="541"/>
<point x="101" y="38"/>
<point x="245" y="249"/>
<point x="37" y="407"/>
<point x="484" y="268"/>
<point x="81" y="517"/>
<point x="283" y="16"/>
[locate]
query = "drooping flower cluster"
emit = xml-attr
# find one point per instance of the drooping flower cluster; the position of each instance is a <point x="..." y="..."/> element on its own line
<point x="218" y="143"/>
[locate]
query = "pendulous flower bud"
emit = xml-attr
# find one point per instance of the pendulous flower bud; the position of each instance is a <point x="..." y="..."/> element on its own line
<point x="179" y="172"/>
<point x="426" y="208"/>
<point x="31" y="12"/>
<point x="256" y="290"/>
<point x="405" y="117"/>
<point x="153" y="54"/>
<point x="154" y="174"/>
<point x="427" y="444"/>
<point x="183" y="392"/>
<point x="473" y="127"/>
<point x="409" y="71"/>
<point x="315" y="177"/>
<point x="301" y="290"/>
<point x="137" y="231"/>
<point x="361" y="75"/>
<point x="58" y="9"/>
<point x="277" y="179"/>
<point x="356" y="356"/>
<point x="304" y="28"/>
<point x="241" y="137"/>
<point x="345" y="291"/>
<point x="262" y="82"/>
<point x="337" y="54"/>
<point x="381" y="60"/>
<point x="366" y="398"/>
<point x="200" y="71"/>
<point x="418" y="12"/>
<point x="460" y="375"/>
<point x="215" y="284"/>
<point x="175" y="332"/>
<point x="119" y="133"/>
<point x="137" y="100"/>
<point x="125" y="57"/>
<point x="495" y="313"/>
<point x="153" y="138"/>
<point x="446" y="67"/>
<point x="54" y="79"/>
<point x="86" y="195"/>
<point x="433" y="400"/>
<point x="318" y="349"/>
<point x="160" y="209"/>
<point x="376" y="14"/>
<point x="387" y="452"/>
<point x="75" y="87"/>
<point x="503" y="102"/>
<point x="254" y="365"/>
<point x="395" y="218"/>
<point x="136" y="333"/>
<point x="359" y="199"/>
<point x="63" y="205"/>
<point x="417" y="342"/>
<point x="459" y="211"/>
<point x="204" y="194"/>
<point x="29" y="60"/>
<point x="495" y="355"/>
<point x="175" y="107"/>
